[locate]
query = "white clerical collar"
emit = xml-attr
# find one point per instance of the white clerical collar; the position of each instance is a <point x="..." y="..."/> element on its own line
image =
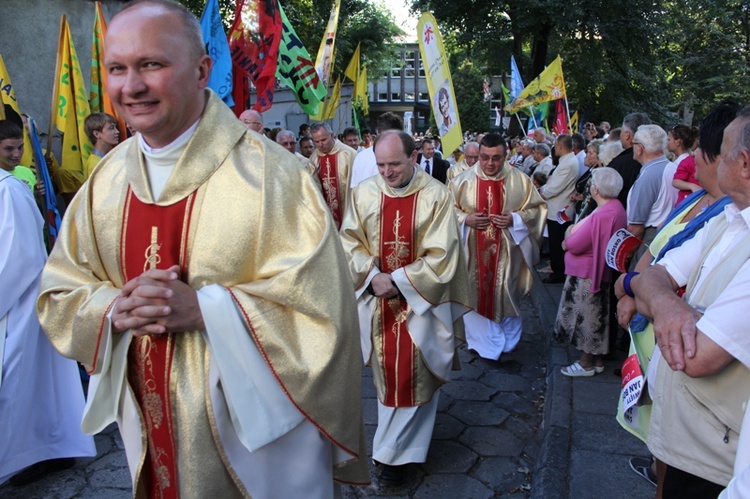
<point x="160" y="162"/>
<point x="178" y="143"/>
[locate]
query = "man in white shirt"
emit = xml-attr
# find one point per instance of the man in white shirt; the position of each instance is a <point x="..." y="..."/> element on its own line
<point x="701" y="381"/>
<point x="560" y="185"/>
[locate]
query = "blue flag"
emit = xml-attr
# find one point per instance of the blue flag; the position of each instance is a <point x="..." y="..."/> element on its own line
<point x="217" y="47"/>
<point x="51" y="213"/>
<point x="516" y="83"/>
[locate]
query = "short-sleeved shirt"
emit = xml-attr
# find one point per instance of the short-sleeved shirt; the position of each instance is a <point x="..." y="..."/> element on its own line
<point x="723" y="321"/>
<point x="641" y="206"/>
<point x="25" y="175"/>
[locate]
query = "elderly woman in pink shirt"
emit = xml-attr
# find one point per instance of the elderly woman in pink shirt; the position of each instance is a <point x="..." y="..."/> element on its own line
<point x="582" y="318"/>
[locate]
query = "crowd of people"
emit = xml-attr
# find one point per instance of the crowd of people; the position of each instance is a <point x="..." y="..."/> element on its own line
<point x="222" y="283"/>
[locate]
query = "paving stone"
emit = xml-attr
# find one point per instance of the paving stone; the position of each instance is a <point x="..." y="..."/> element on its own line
<point x="368" y="389"/>
<point x="468" y="390"/>
<point x="515" y="403"/>
<point x="469" y="371"/>
<point x="370" y="411"/>
<point x="491" y="441"/>
<point x="111" y="478"/>
<point x="446" y="456"/>
<point x="108" y="493"/>
<point x="500" y="474"/>
<point x="452" y="486"/>
<point x="107" y="461"/>
<point x="447" y="427"/>
<point x="444" y="401"/>
<point x="599" y="398"/>
<point x="59" y="485"/>
<point x="505" y="382"/>
<point x="104" y="443"/>
<point x="587" y="480"/>
<point x="601" y="433"/>
<point x="118" y="441"/>
<point x="478" y="413"/>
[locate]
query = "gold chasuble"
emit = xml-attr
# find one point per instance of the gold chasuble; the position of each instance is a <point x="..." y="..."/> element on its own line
<point x="335" y="172"/>
<point x="499" y="274"/>
<point x="411" y="230"/>
<point x="239" y="212"/>
<point x="456" y="170"/>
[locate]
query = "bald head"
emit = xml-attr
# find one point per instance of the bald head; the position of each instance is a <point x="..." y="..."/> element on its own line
<point x="252" y="119"/>
<point x="471" y="153"/>
<point x="185" y="20"/>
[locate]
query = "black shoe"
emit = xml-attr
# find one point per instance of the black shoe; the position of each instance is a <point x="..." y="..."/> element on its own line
<point x="642" y="467"/>
<point x="554" y="279"/>
<point x="40" y="470"/>
<point x="392" y="475"/>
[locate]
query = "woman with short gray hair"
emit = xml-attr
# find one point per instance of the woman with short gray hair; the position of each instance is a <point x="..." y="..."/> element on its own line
<point x="583" y="314"/>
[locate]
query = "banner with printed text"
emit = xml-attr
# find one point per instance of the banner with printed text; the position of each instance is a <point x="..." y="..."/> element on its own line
<point x="297" y="70"/>
<point x="442" y="97"/>
<point x="71" y="104"/>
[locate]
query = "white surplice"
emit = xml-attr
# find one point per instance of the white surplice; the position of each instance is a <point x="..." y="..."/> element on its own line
<point x="41" y="398"/>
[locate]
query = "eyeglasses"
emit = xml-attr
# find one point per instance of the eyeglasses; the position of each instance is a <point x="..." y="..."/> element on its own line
<point x="471" y="157"/>
<point x="252" y="123"/>
<point x="495" y="159"/>
<point x="638" y="143"/>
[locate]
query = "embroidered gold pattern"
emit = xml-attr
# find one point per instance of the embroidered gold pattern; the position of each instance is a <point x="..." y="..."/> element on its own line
<point x="152" y="251"/>
<point x="153" y="408"/>
<point x="329" y="186"/>
<point x="399" y="247"/>
<point x="491" y="231"/>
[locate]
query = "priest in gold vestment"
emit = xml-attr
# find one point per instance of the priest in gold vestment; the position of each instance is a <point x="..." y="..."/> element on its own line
<point x="502" y="218"/>
<point x="333" y="161"/>
<point x="405" y="257"/>
<point x="471" y="156"/>
<point x="198" y="316"/>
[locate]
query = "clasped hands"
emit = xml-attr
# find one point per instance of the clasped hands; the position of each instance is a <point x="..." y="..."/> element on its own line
<point x="383" y="286"/>
<point x="480" y="220"/>
<point x="157" y="302"/>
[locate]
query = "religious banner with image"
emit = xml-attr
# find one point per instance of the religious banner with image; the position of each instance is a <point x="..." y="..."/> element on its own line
<point x="444" y="106"/>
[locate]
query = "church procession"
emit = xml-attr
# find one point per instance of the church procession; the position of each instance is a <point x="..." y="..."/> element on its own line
<point x="232" y="269"/>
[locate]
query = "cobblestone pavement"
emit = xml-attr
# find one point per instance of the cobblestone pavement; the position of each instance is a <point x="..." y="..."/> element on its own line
<point x="485" y="444"/>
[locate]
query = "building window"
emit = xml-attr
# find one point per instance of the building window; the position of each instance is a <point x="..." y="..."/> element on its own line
<point x="395" y="96"/>
<point x="409" y="64"/>
<point x="424" y="97"/>
<point x="382" y="96"/>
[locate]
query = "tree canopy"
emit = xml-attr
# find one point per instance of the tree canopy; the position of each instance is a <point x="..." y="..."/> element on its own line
<point x="619" y="56"/>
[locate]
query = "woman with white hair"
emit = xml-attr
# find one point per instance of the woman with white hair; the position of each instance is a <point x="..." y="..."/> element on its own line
<point x="583" y="314"/>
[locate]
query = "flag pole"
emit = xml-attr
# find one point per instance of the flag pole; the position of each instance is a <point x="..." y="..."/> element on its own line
<point x="56" y="88"/>
<point x="567" y="110"/>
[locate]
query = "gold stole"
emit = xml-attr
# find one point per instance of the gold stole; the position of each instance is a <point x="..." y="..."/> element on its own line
<point x="155" y="237"/>
<point x="329" y="176"/>
<point x="399" y="352"/>
<point x="489" y="243"/>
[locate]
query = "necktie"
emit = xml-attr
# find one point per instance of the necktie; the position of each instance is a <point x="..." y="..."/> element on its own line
<point x="427" y="166"/>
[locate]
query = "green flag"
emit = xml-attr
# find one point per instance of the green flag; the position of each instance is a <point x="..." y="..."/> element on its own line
<point x="297" y="70"/>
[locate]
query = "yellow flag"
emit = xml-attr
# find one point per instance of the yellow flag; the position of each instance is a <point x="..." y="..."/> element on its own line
<point x="11" y="111"/>
<point x="439" y="83"/>
<point x="352" y="70"/>
<point x="360" y="91"/>
<point x="332" y="103"/>
<point x="99" y="101"/>
<point x="548" y="86"/>
<point x="70" y="103"/>
<point x="574" y="123"/>
<point x="324" y="59"/>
